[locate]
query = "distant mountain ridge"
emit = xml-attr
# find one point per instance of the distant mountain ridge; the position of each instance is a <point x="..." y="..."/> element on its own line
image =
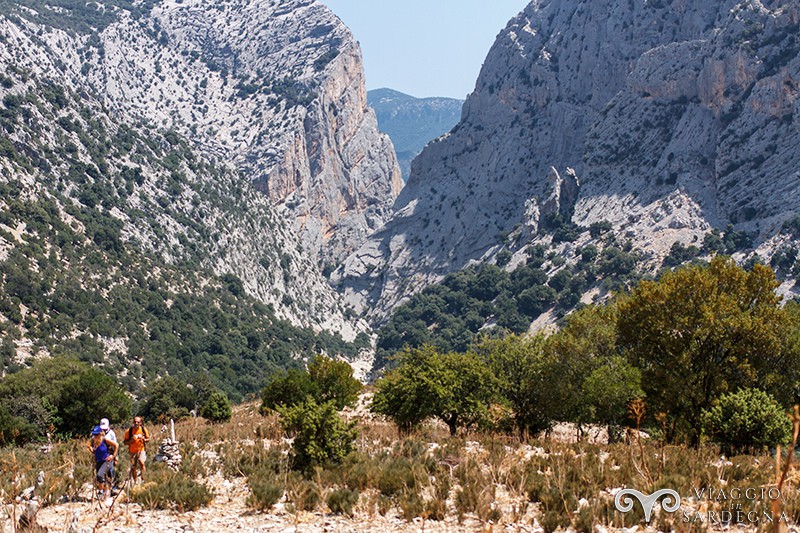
<point x="412" y="122"/>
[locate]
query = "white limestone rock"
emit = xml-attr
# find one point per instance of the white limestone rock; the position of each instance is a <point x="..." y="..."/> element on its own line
<point x="676" y="117"/>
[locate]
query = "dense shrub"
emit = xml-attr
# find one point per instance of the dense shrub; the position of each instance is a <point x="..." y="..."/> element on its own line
<point x="455" y="387"/>
<point x="303" y="494"/>
<point x="745" y="420"/>
<point x="167" y="397"/>
<point x="342" y="501"/>
<point x="334" y="381"/>
<point x="679" y="254"/>
<point x="320" y="435"/>
<point x="609" y="389"/>
<point x="326" y="380"/>
<point x="599" y="228"/>
<point x="522" y="374"/>
<point x="171" y="490"/>
<point x="730" y="333"/>
<point x="217" y="408"/>
<point x="265" y="492"/>
<point x="61" y="392"/>
<point x="287" y="389"/>
<point x="15" y="429"/>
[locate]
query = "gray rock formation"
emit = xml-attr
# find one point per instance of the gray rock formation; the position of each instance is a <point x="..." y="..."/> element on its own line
<point x="674" y="116"/>
<point x="412" y="122"/>
<point x="277" y="88"/>
<point x="270" y="96"/>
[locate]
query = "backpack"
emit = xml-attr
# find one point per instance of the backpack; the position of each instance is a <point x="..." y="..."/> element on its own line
<point x="126" y="438"/>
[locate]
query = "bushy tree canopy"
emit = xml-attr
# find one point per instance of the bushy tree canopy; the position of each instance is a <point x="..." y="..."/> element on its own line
<point x="680" y="343"/>
<point x="700" y="332"/>
<point x="334" y="381"/>
<point x="320" y="435"/>
<point x="61" y="394"/>
<point x="167" y="397"/>
<point x="325" y="380"/>
<point x="457" y="388"/>
<point x="217" y="408"/>
<point x="609" y="389"/>
<point x="522" y="373"/>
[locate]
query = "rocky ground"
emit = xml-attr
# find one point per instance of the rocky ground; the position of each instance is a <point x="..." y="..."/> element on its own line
<point x="229" y="512"/>
<point x="206" y="446"/>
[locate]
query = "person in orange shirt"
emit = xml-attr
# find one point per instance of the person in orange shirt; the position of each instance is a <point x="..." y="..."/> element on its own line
<point x="136" y="437"/>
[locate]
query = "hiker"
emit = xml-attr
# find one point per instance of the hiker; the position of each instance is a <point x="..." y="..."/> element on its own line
<point x="105" y="451"/>
<point x="105" y="426"/>
<point x="136" y="437"/>
<point x="109" y="433"/>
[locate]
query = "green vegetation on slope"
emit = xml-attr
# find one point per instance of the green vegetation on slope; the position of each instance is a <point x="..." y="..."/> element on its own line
<point x="77" y="295"/>
<point x="679" y="344"/>
<point x="106" y="237"/>
<point x="74" y="15"/>
<point x="450" y="314"/>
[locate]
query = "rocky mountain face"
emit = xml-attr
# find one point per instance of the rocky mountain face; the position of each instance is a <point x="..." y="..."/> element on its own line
<point x="274" y="87"/>
<point x="271" y="92"/>
<point x="197" y="140"/>
<point x="658" y="120"/>
<point x="412" y="122"/>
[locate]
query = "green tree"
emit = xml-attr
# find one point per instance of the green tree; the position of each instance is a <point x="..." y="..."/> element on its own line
<point x="217" y="408"/>
<point x="325" y="380"/>
<point x="535" y="300"/>
<point x="404" y="394"/>
<point x="457" y="388"/>
<point x="703" y="331"/>
<point x="586" y="342"/>
<point x="291" y="388"/>
<point x="203" y="388"/>
<point x="320" y="435"/>
<point x="522" y="373"/>
<point x="15" y="429"/>
<point x="335" y="382"/>
<point x="86" y="397"/>
<point x="609" y="389"/>
<point x="745" y="420"/>
<point x="167" y="397"/>
<point x="65" y="393"/>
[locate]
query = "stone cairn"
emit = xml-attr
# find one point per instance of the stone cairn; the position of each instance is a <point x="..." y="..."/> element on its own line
<point x="168" y="450"/>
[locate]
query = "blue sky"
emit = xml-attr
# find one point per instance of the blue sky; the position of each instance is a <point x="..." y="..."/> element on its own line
<point x="425" y="47"/>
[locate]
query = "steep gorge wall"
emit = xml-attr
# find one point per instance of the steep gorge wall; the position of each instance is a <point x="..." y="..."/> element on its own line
<point x="674" y="117"/>
<point x="269" y="94"/>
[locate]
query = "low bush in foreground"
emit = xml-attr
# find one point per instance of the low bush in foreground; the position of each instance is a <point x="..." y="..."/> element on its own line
<point x="171" y="490"/>
<point x="265" y="491"/>
<point x="342" y="501"/>
<point x="747" y="419"/>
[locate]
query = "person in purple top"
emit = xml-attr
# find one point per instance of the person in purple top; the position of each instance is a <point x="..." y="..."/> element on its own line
<point x="104" y="451"/>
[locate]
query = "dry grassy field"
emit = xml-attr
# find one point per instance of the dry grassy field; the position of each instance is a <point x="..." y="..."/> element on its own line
<point x="236" y="476"/>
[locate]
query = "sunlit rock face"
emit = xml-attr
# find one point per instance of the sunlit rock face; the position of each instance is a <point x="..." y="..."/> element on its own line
<point x="666" y="119"/>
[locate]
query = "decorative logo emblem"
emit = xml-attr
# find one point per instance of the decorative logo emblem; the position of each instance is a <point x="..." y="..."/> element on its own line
<point x="624" y="503"/>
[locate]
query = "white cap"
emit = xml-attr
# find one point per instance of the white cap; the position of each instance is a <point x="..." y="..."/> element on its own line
<point x="104" y="424"/>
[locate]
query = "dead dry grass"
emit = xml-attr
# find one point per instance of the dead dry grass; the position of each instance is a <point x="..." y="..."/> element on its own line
<point x="426" y="481"/>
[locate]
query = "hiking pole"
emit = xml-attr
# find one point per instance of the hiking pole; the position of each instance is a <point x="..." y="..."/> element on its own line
<point x="99" y="522"/>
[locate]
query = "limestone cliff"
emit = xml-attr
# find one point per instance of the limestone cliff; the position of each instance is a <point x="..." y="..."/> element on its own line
<point x="263" y="159"/>
<point x="277" y="88"/>
<point x="663" y="118"/>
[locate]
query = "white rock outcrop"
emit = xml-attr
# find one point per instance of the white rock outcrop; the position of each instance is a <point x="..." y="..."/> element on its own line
<point x="290" y="171"/>
<point x="675" y="117"/>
